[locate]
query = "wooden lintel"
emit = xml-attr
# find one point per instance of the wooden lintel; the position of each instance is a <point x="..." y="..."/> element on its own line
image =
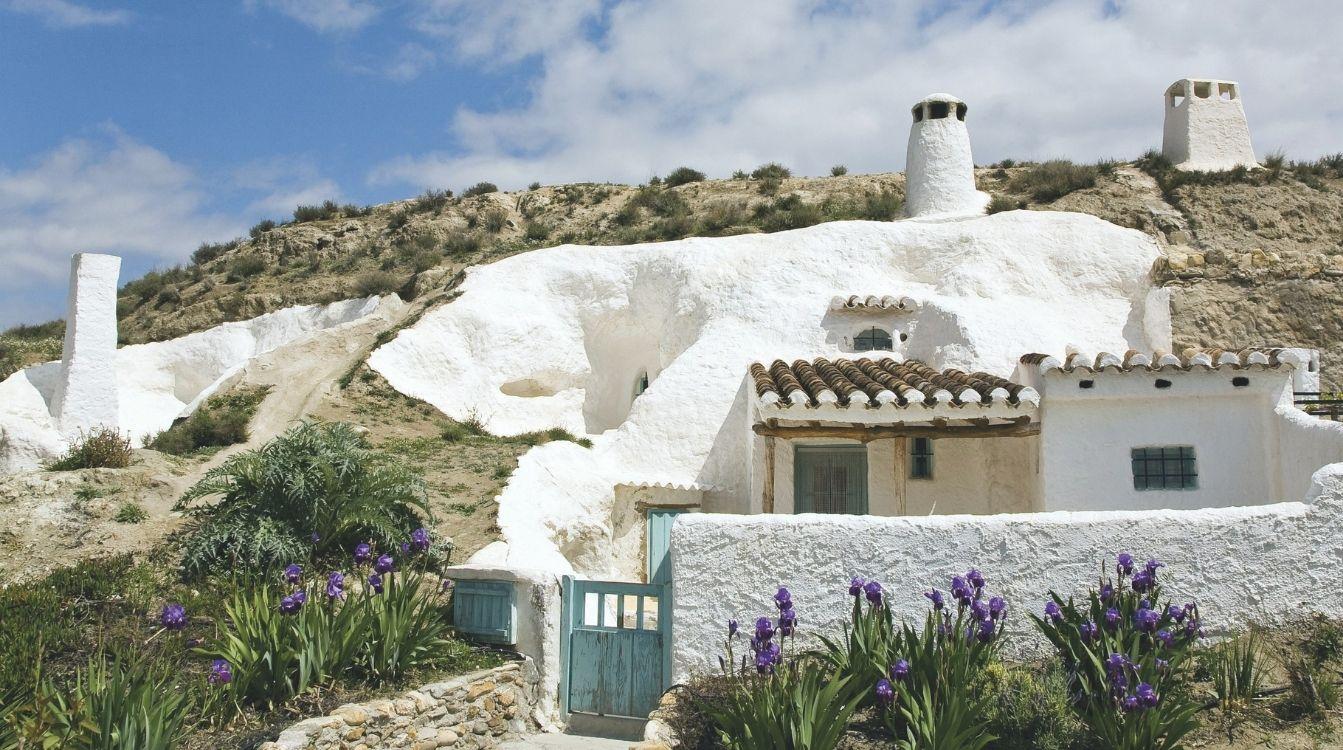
<point x="1019" y="427"/>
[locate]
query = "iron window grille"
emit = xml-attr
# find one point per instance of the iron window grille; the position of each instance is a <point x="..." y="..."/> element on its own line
<point x="1165" y="468"/>
<point x="921" y="458"/>
<point x="872" y="339"/>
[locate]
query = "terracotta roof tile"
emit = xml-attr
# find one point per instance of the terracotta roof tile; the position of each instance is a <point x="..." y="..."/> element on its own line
<point x="873" y="302"/>
<point x="1189" y="359"/>
<point x="878" y="382"/>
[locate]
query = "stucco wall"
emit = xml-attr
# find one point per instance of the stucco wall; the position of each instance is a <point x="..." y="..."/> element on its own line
<point x="1087" y="436"/>
<point x="1207" y="133"/>
<point x="1245" y="563"/>
<point x="970" y="475"/>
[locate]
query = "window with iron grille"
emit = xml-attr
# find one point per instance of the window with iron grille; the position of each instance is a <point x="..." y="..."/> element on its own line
<point x="921" y="458"/>
<point x="1165" y="468"/>
<point x="872" y="339"/>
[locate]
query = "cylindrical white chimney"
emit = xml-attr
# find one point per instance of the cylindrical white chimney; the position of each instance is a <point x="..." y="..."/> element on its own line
<point x="939" y="170"/>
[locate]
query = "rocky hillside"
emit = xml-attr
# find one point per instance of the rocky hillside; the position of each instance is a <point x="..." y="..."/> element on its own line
<point x="1254" y="258"/>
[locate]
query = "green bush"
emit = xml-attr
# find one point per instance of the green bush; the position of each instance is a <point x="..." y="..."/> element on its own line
<point x="771" y="171"/>
<point x="260" y="228"/>
<point x="245" y="267"/>
<point x="839" y="170"/>
<point x="328" y="210"/>
<point x="461" y="243"/>
<point x="495" y="220"/>
<point x="1054" y="179"/>
<point x="1027" y="708"/>
<point x="131" y="512"/>
<point x="480" y="188"/>
<point x="432" y="200"/>
<point x="316" y="488"/>
<point x="424" y="260"/>
<point x="376" y="282"/>
<point x="536" y="231"/>
<point x="534" y="186"/>
<point x="1000" y="203"/>
<point x="221" y="420"/>
<point x="36" y="331"/>
<point x="208" y="251"/>
<point x="101" y="448"/>
<point x="884" y="205"/>
<point x="683" y="176"/>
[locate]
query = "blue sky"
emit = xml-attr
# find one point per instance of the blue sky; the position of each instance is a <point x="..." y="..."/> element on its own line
<point x="144" y="128"/>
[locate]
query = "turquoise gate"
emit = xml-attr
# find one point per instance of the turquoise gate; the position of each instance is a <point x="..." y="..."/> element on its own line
<point x="615" y="647"/>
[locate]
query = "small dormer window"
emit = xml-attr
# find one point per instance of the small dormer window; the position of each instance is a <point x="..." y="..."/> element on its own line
<point x="872" y="339"/>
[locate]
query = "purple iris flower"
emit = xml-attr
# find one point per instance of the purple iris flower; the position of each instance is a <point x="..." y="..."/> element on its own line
<point x="289" y="605"/>
<point x="405" y="548"/>
<point x="961" y="590"/>
<point x="375" y="583"/>
<point x="335" y="585"/>
<point x="1146" y="695"/>
<point x="1131" y="703"/>
<point x="1191" y="627"/>
<point x="885" y="693"/>
<point x="1124" y="563"/>
<point x="997" y="607"/>
<point x="764" y="630"/>
<point x="872" y="590"/>
<point x="979" y="610"/>
<point x="936" y="598"/>
<point x="763" y="663"/>
<point x="1143" y="581"/>
<point x="1175" y="613"/>
<point x="986" y="629"/>
<point x="293" y="573"/>
<point x="1152" y="565"/>
<point x="975" y="578"/>
<point x="856" y="586"/>
<point x="1088" y="630"/>
<point x="384" y="564"/>
<point x="1053" y="611"/>
<point x="1146" y="620"/>
<point x="787" y="621"/>
<point x="173" y="616"/>
<point x="362" y="553"/>
<point x="301" y="597"/>
<point x="447" y="585"/>
<point x="1116" y="662"/>
<point x="732" y="628"/>
<point x="1111" y="618"/>
<point x="1165" y="637"/>
<point x="783" y="599"/>
<point x="1107" y="591"/>
<point x="419" y="539"/>
<point x="220" y="673"/>
<point x="900" y="670"/>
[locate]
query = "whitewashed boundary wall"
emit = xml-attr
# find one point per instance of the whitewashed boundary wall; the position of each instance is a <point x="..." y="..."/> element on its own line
<point x="1260" y="563"/>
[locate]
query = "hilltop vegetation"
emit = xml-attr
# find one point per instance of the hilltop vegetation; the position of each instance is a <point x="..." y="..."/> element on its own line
<point x="1255" y="256"/>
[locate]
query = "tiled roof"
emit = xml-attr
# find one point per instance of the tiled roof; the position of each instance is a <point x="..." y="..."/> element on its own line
<point x="873" y="302"/>
<point x="1189" y="359"/>
<point x="879" y="382"/>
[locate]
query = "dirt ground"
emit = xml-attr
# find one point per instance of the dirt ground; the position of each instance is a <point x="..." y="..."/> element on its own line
<point x="55" y="519"/>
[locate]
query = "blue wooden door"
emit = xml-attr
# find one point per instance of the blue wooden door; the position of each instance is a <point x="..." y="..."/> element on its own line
<point x="660" y="522"/>
<point x="830" y="479"/>
<point x="616" y="647"/>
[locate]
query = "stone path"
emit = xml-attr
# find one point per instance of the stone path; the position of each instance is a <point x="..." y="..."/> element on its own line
<point x="565" y="742"/>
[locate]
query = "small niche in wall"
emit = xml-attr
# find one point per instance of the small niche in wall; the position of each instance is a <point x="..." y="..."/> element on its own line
<point x="1240" y="381"/>
<point x="1086" y="384"/>
<point x="1162" y="383"/>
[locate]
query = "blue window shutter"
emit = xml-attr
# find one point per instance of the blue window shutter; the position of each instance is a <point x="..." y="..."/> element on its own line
<point x="659" y="544"/>
<point x="485" y="610"/>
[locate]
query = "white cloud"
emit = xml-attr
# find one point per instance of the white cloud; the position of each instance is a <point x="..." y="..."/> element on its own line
<point x="283" y="183"/>
<point x="638" y="88"/>
<point x="107" y="194"/>
<point x="326" y="16"/>
<point x="66" y="14"/>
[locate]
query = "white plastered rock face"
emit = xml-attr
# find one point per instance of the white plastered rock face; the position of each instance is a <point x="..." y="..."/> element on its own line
<point x="161" y="381"/>
<point x="559" y="337"/>
<point x="940" y="169"/>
